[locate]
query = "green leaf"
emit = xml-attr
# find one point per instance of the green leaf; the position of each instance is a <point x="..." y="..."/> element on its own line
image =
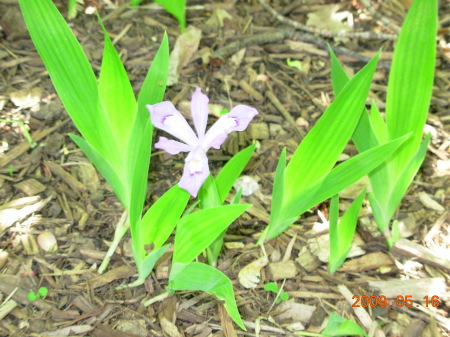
<point x="32" y="296"/>
<point x="339" y="178"/>
<point x="199" y="276"/>
<point x="104" y="167"/>
<point x="232" y="170"/>
<point x="271" y="286"/>
<point x="339" y="326"/>
<point x="43" y="291"/>
<point x="208" y="194"/>
<point x="341" y="235"/>
<point x="177" y="9"/>
<point x="198" y="230"/>
<point x="278" y="189"/>
<point x="116" y="94"/>
<point x="70" y="71"/>
<point x="378" y="124"/>
<point x="370" y="131"/>
<point x="407" y="176"/>
<point x="284" y="296"/>
<point x="160" y="220"/>
<point x="320" y="149"/>
<point x="140" y="144"/>
<point x="149" y="262"/>
<point x="411" y="80"/>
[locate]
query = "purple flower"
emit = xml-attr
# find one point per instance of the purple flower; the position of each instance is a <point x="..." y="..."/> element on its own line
<point x="164" y="116"/>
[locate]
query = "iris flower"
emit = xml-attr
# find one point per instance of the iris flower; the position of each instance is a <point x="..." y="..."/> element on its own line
<point x="165" y="116"/>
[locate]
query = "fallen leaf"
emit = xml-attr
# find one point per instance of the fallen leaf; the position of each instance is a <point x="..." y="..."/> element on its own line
<point x="328" y="19"/>
<point x="249" y="276"/>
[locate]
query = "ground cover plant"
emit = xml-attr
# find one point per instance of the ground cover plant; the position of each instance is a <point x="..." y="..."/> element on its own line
<point x="178" y="250"/>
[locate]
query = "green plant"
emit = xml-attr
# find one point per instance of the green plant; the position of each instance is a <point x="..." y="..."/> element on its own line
<point x="115" y="127"/>
<point x="42" y="292"/>
<point x="175" y="7"/>
<point x="281" y="295"/>
<point x="408" y="99"/>
<point x="310" y="178"/>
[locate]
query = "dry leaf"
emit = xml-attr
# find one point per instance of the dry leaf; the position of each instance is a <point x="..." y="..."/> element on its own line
<point x="329" y="20"/>
<point x="185" y="48"/>
<point x="249" y="276"/>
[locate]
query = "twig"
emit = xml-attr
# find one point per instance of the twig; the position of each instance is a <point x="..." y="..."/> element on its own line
<point x="299" y="26"/>
<point x="286" y="33"/>
<point x="385" y="21"/>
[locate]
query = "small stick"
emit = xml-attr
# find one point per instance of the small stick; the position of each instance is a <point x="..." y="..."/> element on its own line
<point x="275" y="101"/>
<point x="385" y="21"/>
<point x="299" y="26"/>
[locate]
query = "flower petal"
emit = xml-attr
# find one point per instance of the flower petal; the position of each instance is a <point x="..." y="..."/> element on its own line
<point x="165" y="116"/>
<point x="195" y="172"/>
<point x="172" y="146"/>
<point x="199" y="111"/>
<point x="236" y="120"/>
<point x="243" y="115"/>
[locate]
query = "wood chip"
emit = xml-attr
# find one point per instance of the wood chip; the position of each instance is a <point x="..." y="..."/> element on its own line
<point x="297" y="312"/>
<point x="282" y="270"/>
<point x="66" y="176"/>
<point x="428" y="202"/>
<point x="409" y="249"/>
<point x="418" y="288"/>
<point x="30" y="187"/>
<point x="112" y="275"/>
<point x="367" y="262"/>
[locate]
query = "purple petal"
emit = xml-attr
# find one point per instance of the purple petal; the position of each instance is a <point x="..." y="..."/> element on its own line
<point x="243" y="115"/>
<point x="172" y="146"/>
<point x="236" y="120"/>
<point x="199" y="111"/>
<point x="195" y="172"/>
<point x="165" y="117"/>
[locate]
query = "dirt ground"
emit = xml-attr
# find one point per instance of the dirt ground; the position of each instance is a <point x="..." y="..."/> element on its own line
<point x="241" y="59"/>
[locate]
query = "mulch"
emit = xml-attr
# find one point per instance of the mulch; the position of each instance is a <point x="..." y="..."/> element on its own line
<point x="47" y="184"/>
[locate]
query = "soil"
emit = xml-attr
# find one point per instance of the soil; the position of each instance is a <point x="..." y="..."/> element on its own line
<point x="51" y="186"/>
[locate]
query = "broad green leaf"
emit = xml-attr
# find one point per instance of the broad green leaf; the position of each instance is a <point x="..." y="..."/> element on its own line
<point x="104" y="168"/>
<point x="69" y="69"/>
<point x="232" y="170"/>
<point x="370" y="131"/>
<point x="407" y="176"/>
<point x="160" y="220"/>
<point x="198" y="230"/>
<point x="177" y="8"/>
<point x="271" y="286"/>
<point x="378" y="124"/>
<point x="199" y="276"/>
<point x="278" y="189"/>
<point x="319" y="150"/>
<point x="411" y="79"/>
<point x="379" y="213"/>
<point x="341" y="235"/>
<point x="208" y="194"/>
<point x="155" y="82"/>
<point x="149" y="262"/>
<point x="339" y="178"/>
<point x="116" y="94"/>
<point x="139" y="148"/>
<point x="276" y="211"/>
<point x="364" y="135"/>
<point x="339" y="326"/>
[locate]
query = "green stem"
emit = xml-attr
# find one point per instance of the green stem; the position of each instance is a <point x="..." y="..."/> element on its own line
<point x="155" y="299"/>
<point x="121" y="229"/>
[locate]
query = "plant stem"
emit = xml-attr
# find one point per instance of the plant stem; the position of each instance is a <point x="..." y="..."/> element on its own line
<point x="121" y="229"/>
<point x="155" y="299"/>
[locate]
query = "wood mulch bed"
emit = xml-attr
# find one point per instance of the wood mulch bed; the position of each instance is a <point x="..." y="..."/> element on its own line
<point x="241" y="59"/>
